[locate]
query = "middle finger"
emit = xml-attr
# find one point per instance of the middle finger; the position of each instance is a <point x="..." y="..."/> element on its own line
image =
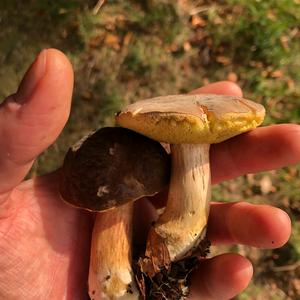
<point x="261" y="226"/>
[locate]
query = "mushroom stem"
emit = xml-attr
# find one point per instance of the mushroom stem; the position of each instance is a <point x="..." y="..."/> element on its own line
<point x="183" y="224"/>
<point x="110" y="274"/>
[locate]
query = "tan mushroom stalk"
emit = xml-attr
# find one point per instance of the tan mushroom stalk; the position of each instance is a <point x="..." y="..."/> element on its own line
<point x="183" y="223"/>
<point x="190" y="123"/>
<point x="105" y="173"/>
<point x="110" y="273"/>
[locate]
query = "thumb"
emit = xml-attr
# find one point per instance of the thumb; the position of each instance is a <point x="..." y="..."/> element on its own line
<point x="31" y="119"/>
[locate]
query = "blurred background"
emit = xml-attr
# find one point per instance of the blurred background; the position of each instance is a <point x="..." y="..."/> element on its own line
<point x="123" y="51"/>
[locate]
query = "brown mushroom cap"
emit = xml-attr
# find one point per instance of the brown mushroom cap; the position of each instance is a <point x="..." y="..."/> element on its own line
<point x="112" y="167"/>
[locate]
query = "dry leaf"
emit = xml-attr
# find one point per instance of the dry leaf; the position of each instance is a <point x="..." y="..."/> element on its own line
<point x="296" y="284"/>
<point x="250" y="179"/>
<point x="127" y="39"/>
<point x="156" y="256"/>
<point x="284" y="40"/>
<point x="187" y="46"/>
<point x="86" y="95"/>
<point x="209" y="42"/>
<point x="112" y="41"/>
<point x="291" y="84"/>
<point x="171" y="48"/>
<point x="232" y="77"/>
<point x="217" y="20"/>
<point x="95" y="41"/>
<point x="266" y="185"/>
<point x="223" y="60"/>
<point x="271" y="15"/>
<point x="256" y="64"/>
<point x="64" y="33"/>
<point x="206" y="81"/>
<point x="277" y="74"/>
<point x="198" y="21"/>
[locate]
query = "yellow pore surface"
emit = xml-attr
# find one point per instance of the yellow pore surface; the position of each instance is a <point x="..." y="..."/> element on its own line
<point x="192" y="119"/>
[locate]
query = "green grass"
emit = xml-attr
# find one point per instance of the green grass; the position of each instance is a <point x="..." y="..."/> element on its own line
<point x="132" y="50"/>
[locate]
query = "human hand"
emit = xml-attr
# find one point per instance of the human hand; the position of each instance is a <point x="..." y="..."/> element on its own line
<point x="45" y="243"/>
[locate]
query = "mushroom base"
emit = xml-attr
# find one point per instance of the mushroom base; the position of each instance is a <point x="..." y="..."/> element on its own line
<point x="171" y="281"/>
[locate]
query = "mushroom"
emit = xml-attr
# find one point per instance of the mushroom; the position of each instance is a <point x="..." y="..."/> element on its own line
<point x="189" y="123"/>
<point x="105" y="173"/>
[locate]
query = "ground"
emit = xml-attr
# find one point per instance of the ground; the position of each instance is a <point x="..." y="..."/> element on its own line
<point x="123" y="51"/>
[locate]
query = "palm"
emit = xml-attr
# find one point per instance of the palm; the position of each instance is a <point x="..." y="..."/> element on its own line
<point x="44" y="245"/>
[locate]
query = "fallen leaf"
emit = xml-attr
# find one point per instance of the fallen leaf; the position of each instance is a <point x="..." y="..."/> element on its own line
<point x="256" y="64"/>
<point x="156" y="256"/>
<point x="209" y="42"/>
<point x="206" y="81"/>
<point x="217" y="20"/>
<point x="64" y="33"/>
<point x="284" y="40"/>
<point x="127" y="39"/>
<point x="250" y="179"/>
<point x="95" y="41"/>
<point x="197" y="21"/>
<point x="86" y="95"/>
<point x="171" y="48"/>
<point x="277" y="74"/>
<point x="271" y="15"/>
<point x="232" y="77"/>
<point x="266" y="185"/>
<point x="187" y="46"/>
<point x="223" y="60"/>
<point x="291" y="84"/>
<point x="112" y="41"/>
<point x="296" y="284"/>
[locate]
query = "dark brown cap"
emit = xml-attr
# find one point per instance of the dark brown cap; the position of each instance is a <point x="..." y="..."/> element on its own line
<point x="112" y="167"/>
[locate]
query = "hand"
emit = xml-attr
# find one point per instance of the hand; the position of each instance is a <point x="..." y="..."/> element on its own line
<point x="44" y="243"/>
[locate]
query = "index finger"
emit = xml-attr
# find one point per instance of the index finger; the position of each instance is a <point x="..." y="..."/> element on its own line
<point x="263" y="149"/>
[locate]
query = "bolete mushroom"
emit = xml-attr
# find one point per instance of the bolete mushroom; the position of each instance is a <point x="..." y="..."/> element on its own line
<point x="189" y="123"/>
<point x="104" y="173"/>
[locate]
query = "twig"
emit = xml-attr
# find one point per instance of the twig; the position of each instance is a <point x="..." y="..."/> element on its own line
<point x="98" y="6"/>
<point x="286" y="267"/>
<point x="202" y="8"/>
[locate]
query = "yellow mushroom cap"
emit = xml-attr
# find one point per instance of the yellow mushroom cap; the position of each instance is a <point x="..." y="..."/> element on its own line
<point x="193" y="119"/>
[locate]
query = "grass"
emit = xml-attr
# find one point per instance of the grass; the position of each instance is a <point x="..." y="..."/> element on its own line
<point x="131" y="50"/>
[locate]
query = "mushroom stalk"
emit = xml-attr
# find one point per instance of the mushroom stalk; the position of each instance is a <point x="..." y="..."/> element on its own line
<point x="110" y="275"/>
<point x="183" y="223"/>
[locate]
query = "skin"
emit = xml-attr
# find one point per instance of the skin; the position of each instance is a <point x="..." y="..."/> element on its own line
<point x="44" y="243"/>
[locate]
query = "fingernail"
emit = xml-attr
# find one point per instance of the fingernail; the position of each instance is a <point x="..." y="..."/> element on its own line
<point x="32" y="78"/>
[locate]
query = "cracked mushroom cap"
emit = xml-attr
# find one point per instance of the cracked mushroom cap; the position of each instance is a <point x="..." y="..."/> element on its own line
<point x="111" y="167"/>
<point x="192" y="119"/>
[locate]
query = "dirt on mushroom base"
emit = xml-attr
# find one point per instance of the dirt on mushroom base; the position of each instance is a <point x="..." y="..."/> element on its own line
<point x="171" y="281"/>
